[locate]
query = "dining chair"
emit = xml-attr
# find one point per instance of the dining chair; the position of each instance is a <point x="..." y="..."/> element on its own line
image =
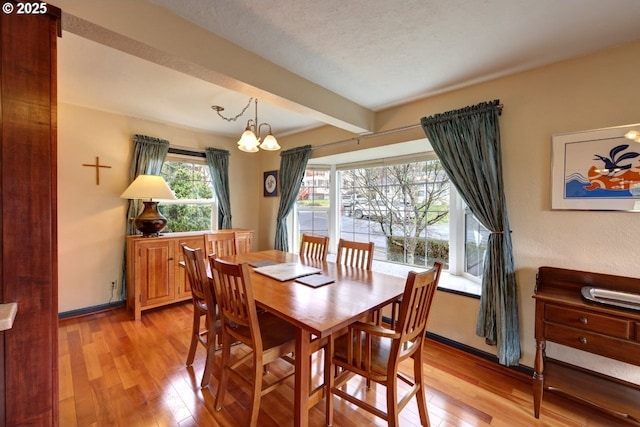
<point x="358" y="255"/>
<point x="314" y="247"/>
<point x="244" y="241"/>
<point x="375" y="353"/>
<point x="204" y="305"/>
<point x="222" y="243"/>
<point x="268" y="336"/>
<point x="355" y="254"/>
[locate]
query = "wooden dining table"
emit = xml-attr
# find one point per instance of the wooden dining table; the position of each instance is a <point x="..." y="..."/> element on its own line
<point x="318" y="312"/>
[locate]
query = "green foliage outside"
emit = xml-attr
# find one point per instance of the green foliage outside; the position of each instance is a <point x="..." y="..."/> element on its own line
<point x="307" y="203"/>
<point x="189" y="181"/>
<point x="426" y="252"/>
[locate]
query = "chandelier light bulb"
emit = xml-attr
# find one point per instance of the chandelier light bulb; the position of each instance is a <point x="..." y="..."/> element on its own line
<point x="248" y="139"/>
<point x="270" y="143"/>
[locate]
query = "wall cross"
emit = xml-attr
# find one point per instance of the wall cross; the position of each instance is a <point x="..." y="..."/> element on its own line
<point x="97" y="166"/>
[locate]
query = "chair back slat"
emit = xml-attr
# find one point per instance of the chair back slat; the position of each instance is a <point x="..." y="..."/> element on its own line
<point x="314" y="247"/>
<point x="355" y="254"/>
<point x="416" y="303"/>
<point x="197" y="272"/>
<point x="236" y="302"/>
<point x="221" y="244"/>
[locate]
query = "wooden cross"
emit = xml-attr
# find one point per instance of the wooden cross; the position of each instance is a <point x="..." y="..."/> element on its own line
<point x="97" y="166"/>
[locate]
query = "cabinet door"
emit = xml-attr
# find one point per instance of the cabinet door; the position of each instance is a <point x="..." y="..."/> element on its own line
<point x="244" y="242"/>
<point x="183" y="287"/>
<point x="155" y="271"/>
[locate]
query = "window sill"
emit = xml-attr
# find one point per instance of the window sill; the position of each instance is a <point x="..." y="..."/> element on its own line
<point x="448" y="282"/>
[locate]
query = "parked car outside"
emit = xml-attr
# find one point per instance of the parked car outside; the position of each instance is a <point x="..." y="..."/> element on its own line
<point x="377" y="209"/>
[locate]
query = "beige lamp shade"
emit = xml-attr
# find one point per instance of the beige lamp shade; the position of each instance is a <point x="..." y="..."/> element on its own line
<point x="148" y="187"/>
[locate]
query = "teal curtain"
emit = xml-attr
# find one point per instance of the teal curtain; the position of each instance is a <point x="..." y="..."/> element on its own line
<point x="148" y="157"/>
<point x="293" y="164"/>
<point x="218" y="161"/>
<point x="467" y="142"/>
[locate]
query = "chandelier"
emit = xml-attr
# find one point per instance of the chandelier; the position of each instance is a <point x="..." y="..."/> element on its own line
<point x="251" y="138"/>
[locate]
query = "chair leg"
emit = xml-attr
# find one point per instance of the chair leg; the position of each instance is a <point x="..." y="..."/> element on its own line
<point x="256" y="393"/>
<point x="420" y="395"/>
<point x="394" y="315"/>
<point x="224" y="375"/>
<point x="392" y="401"/>
<point x="195" y="330"/>
<point x="209" y="362"/>
<point x="329" y="376"/>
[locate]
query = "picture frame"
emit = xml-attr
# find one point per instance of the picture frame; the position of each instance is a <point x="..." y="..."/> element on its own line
<point x="596" y="170"/>
<point x="270" y="184"/>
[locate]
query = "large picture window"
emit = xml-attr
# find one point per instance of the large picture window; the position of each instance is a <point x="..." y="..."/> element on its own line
<point x="312" y="204"/>
<point x="410" y="210"/>
<point x="195" y="208"/>
<point x="403" y="209"/>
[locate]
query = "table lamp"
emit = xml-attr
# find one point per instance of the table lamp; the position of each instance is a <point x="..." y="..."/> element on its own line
<point x="150" y="222"/>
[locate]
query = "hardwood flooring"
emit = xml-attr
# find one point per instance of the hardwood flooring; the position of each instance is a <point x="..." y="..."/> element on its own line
<point x="118" y="372"/>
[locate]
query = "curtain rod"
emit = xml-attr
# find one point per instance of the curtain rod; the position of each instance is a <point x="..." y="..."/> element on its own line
<point x="463" y="112"/>
<point x="368" y="135"/>
<point x="495" y="105"/>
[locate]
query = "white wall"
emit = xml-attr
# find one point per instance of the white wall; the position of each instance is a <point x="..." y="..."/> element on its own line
<point x="91" y="218"/>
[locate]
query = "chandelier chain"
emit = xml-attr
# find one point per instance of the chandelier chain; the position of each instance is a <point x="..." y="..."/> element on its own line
<point x="217" y="109"/>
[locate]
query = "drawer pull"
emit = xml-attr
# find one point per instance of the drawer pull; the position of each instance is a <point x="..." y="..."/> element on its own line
<point x="582" y="340"/>
<point x="584" y="320"/>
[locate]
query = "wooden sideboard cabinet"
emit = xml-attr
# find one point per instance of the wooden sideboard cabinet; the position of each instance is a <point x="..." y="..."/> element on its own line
<point x="564" y="317"/>
<point x="154" y="275"/>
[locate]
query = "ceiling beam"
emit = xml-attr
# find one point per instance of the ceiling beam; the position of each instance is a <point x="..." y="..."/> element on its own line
<point x="155" y="34"/>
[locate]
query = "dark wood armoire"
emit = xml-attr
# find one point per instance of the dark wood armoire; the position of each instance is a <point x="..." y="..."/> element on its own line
<point x="28" y="220"/>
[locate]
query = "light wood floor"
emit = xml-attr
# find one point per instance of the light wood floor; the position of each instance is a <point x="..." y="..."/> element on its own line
<point x="118" y="372"/>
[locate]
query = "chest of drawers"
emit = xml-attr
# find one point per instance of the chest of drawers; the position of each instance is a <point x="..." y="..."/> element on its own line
<point x="564" y="317"/>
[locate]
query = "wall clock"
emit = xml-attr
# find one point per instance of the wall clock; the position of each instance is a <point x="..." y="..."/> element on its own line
<point x="270" y="183"/>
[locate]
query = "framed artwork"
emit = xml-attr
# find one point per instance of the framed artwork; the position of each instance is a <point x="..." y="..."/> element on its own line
<point x="596" y="169"/>
<point x="270" y="183"/>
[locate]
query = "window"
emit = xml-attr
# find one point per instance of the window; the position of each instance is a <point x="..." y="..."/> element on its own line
<point x="312" y="205"/>
<point x="196" y="208"/>
<point x="476" y="237"/>
<point x="403" y="209"/>
<point x="410" y="210"/>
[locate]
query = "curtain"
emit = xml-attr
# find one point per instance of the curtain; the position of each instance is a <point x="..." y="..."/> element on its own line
<point x="293" y="164"/>
<point x="148" y="157"/>
<point x="467" y="142"/>
<point x="218" y="161"/>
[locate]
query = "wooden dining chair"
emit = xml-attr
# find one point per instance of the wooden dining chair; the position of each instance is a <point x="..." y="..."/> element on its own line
<point x="222" y="243"/>
<point x="268" y="336"/>
<point x="314" y="247"/>
<point x="375" y="353"/>
<point x="355" y="254"/>
<point x="358" y="255"/>
<point x="204" y="305"/>
<point x="244" y="241"/>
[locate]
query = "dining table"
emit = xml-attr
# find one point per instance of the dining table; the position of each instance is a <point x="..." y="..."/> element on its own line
<point x="317" y="312"/>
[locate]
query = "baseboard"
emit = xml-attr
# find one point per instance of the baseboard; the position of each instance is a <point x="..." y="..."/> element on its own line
<point x="521" y="369"/>
<point x="90" y="310"/>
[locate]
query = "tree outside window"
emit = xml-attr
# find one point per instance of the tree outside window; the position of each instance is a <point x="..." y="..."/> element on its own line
<point x="406" y="204"/>
<point x="195" y="209"/>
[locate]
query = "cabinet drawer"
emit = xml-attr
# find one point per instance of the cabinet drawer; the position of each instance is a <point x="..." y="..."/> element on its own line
<point x="623" y="350"/>
<point x="589" y="321"/>
<point x="638" y="332"/>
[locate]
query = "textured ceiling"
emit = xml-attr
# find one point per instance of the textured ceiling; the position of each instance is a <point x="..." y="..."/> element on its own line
<point x="373" y="53"/>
